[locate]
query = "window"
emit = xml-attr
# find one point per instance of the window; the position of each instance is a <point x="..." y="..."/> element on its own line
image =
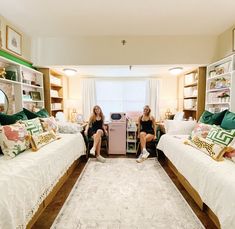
<point x="120" y="96"/>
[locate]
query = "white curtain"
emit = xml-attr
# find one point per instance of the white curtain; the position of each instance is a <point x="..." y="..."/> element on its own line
<point x="153" y="97"/>
<point x="88" y="96"/>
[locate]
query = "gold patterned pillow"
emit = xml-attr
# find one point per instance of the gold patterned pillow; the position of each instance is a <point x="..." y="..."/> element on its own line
<point x="216" y="151"/>
<point x="40" y="140"/>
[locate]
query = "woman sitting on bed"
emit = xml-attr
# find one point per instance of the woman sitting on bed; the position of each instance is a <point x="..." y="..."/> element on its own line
<point x="146" y="132"/>
<point x="96" y="130"/>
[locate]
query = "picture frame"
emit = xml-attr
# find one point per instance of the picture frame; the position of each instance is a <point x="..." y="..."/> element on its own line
<point x="13" y="40"/>
<point x="35" y="95"/>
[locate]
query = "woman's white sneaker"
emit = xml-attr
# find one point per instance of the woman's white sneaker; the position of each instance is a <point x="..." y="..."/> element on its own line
<point x="100" y="159"/>
<point x="92" y="151"/>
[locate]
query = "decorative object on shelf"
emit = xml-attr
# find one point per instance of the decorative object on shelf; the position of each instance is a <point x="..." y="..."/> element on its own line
<point x="2" y="73"/>
<point x="168" y="114"/>
<point x="13" y="40"/>
<point x="35" y="95"/>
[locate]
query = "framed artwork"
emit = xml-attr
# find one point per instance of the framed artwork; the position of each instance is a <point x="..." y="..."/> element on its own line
<point x="35" y="95"/>
<point x="13" y="40"/>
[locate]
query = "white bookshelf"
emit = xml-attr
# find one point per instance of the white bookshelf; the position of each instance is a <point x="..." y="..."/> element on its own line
<point x="220" y="85"/>
<point x="27" y="81"/>
<point x="131" y="139"/>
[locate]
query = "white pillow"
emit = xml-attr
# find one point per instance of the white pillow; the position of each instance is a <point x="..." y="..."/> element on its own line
<point x="69" y="128"/>
<point x="175" y="127"/>
<point x="179" y="116"/>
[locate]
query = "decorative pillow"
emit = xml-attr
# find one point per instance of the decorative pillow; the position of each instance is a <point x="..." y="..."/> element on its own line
<point x="216" y="151"/>
<point x="40" y="140"/>
<point x="211" y="118"/>
<point x="175" y="127"/>
<point x="228" y="122"/>
<point x="49" y="124"/>
<point x="33" y="126"/>
<point x="15" y="139"/>
<point x="221" y="136"/>
<point x="41" y="114"/>
<point x="11" y="119"/>
<point x="69" y="128"/>
<point x="201" y="130"/>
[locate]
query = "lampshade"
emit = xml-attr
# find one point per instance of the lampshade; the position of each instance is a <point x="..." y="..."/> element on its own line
<point x="176" y="70"/>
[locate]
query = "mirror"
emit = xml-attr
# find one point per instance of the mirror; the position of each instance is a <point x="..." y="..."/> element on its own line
<point x="4" y="103"/>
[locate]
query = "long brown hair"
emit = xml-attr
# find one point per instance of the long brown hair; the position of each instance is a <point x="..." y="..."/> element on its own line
<point x="93" y="115"/>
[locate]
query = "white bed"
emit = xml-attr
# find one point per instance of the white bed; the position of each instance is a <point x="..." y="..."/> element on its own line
<point x="27" y="179"/>
<point x="214" y="181"/>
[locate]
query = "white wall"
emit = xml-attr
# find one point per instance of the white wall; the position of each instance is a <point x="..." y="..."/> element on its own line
<point x="225" y="43"/>
<point x="26" y="40"/>
<point x="138" y="50"/>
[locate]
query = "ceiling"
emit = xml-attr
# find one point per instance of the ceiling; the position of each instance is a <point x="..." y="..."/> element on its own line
<point x="117" y="18"/>
<point x="71" y="18"/>
<point x="124" y="70"/>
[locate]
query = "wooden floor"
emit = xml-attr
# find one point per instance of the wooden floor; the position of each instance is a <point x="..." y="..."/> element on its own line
<point x="50" y="213"/>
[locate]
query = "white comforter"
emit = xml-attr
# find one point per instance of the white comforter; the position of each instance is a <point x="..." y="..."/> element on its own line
<point x="214" y="181"/>
<point x="28" y="178"/>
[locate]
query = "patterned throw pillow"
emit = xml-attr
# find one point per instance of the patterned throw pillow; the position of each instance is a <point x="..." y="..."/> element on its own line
<point x="14" y="139"/>
<point x="40" y="140"/>
<point x="201" y="130"/>
<point x="221" y="136"/>
<point x="49" y="124"/>
<point x="33" y="126"/>
<point x="216" y="151"/>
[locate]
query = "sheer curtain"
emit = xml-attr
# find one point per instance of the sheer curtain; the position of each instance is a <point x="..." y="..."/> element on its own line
<point x="153" y="97"/>
<point x="88" y="96"/>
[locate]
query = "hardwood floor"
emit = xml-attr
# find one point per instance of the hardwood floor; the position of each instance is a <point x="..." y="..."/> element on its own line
<point x="48" y="216"/>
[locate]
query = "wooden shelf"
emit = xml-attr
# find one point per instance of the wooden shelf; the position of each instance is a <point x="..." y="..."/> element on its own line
<point x="56" y="85"/>
<point x="9" y="81"/>
<point x="191" y="85"/>
<point x="53" y="97"/>
<point x="30" y="85"/>
<point x="198" y="79"/>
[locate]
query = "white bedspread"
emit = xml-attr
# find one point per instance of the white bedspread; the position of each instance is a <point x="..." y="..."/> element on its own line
<point x="28" y="178"/>
<point x="214" y="181"/>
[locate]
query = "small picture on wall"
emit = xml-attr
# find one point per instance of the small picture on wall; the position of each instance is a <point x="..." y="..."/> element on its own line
<point x="13" y="40"/>
<point x="35" y="95"/>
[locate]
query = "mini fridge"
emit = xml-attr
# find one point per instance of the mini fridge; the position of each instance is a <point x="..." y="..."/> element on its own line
<point x="117" y="137"/>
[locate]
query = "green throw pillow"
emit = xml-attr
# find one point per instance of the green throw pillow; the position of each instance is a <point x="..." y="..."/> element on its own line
<point x="228" y="121"/>
<point x="40" y="114"/>
<point x="11" y="119"/>
<point x="33" y="126"/>
<point x="221" y="136"/>
<point x="211" y="118"/>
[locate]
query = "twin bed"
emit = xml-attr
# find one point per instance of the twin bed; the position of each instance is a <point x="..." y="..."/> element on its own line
<point x="28" y="180"/>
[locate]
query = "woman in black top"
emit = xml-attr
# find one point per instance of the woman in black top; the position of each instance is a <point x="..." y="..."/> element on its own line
<point x="146" y="132"/>
<point x="95" y="129"/>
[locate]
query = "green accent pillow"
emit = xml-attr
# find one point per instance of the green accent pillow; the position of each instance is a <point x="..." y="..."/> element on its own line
<point x="40" y="114"/>
<point x="11" y="119"/>
<point x="228" y="122"/>
<point x="221" y="136"/>
<point x="211" y="118"/>
<point x="33" y="126"/>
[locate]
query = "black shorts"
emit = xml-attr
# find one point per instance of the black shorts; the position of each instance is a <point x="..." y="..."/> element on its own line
<point x="148" y="131"/>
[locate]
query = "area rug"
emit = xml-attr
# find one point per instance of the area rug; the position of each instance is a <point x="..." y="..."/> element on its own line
<point x="123" y="194"/>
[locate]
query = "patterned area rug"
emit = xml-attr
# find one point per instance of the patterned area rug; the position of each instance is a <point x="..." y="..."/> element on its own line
<point x="123" y="194"/>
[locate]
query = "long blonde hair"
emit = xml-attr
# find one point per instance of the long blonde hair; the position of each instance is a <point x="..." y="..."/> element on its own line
<point x="93" y="115"/>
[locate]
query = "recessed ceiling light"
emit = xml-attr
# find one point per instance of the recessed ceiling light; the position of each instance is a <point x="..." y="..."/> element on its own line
<point x="69" y="71"/>
<point x="176" y="70"/>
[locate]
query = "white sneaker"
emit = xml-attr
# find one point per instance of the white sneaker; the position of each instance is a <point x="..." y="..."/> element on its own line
<point x="100" y="159"/>
<point x="140" y="158"/>
<point x="145" y="154"/>
<point x="92" y="151"/>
